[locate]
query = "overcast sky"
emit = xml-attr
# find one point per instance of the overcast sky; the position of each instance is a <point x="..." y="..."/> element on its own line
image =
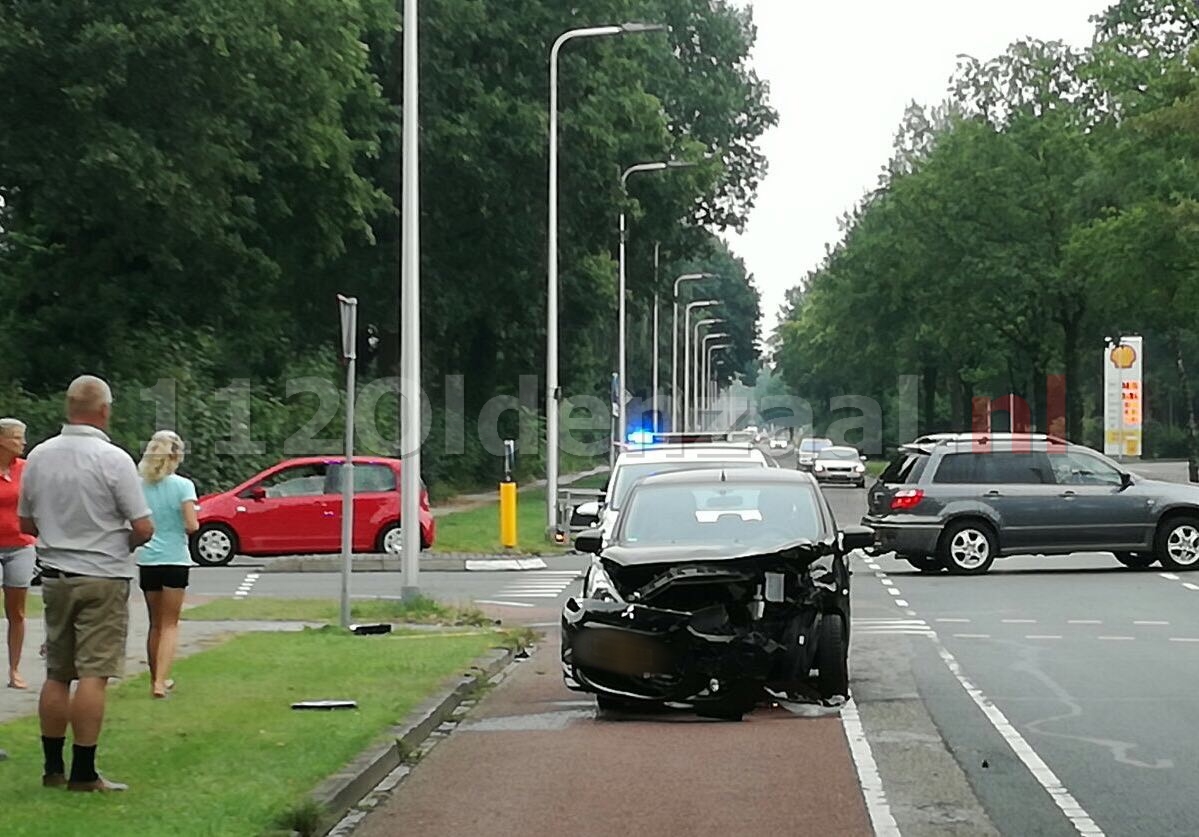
<point x="840" y="77"/>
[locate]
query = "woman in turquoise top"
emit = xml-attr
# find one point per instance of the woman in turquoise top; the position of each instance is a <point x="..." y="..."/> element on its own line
<point x="163" y="562"/>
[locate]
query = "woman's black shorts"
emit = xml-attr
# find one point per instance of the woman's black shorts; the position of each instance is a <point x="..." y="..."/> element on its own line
<point x="154" y="577"/>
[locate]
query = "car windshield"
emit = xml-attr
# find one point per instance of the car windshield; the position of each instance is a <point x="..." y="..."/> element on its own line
<point x="839" y="453"/>
<point x="627" y="475"/>
<point x="813" y="445"/>
<point x="762" y="515"/>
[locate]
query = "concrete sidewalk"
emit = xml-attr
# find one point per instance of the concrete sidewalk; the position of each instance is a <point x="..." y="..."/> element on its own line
<point x="193" y="637"/>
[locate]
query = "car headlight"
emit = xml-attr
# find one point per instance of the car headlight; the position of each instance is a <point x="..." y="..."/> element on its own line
<point x="818" y="467"/>
<point x="861" y="469"/>
<point x="599" y="585"/>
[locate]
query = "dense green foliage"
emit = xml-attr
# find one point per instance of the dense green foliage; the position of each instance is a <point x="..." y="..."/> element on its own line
<point x="1051" y="201"/>
<point x="184" y="188"/>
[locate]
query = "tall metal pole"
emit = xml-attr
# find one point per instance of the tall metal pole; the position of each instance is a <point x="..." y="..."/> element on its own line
<point x="622" y="285"/>
<point x="696" y="368"/>
<point x="709" y="383"/>
<point x="410" y="429"/>
<point x="705" y="358"/>
<point x="349" y="333"/>
<point x="654" y="396"/>
<point x="675" y="400"/>
<point x="687" y="375"/>
<point x="552" y="389"/>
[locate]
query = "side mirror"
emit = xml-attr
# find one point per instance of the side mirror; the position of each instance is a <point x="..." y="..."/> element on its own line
<point x="257" y="493"/>
<point x="863" y="458"/>
<point x="588" y="509"/>
<point x="857" y="537"/>
<point x="591" y="543"/>
<point x="1125" y="479"/>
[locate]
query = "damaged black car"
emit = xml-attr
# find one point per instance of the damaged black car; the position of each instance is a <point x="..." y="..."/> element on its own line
<point x="717" y="591"/>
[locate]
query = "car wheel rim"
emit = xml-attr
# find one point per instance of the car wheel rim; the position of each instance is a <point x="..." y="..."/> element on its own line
<point x="969" y="549"/>
<point x="215" y="545"/>
<point x="393" y="541"/>
<point x="1183" y="545"/>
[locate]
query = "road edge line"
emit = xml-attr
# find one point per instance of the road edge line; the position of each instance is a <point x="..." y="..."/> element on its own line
<point x="869" y="779"/>
<point x="1041" y="772"/>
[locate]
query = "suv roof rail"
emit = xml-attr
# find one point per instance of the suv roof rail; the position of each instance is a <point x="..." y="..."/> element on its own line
<point x="984" y="438"/>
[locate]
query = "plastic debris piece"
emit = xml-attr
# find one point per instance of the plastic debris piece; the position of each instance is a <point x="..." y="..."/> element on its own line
<point x="325" y="705"/>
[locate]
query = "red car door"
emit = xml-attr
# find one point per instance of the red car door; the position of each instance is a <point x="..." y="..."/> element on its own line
<point x="376" y="502"/>
<point x="290" y="510"/>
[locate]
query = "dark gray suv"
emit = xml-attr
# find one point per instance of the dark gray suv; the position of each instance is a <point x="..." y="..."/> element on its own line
<point x="958" y="501"/>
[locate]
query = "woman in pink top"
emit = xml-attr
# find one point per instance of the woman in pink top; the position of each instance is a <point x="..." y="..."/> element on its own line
<point x="16" y="550"/>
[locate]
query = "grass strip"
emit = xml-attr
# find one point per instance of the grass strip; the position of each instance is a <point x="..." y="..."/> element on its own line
<point x="422" y="610"/>
<point x="225" y="754"/>
<point x="478" y="530"/>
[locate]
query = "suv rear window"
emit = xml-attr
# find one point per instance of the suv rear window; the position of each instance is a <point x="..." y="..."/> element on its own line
<point x="905" y="468"/>
<point x="995" y="468"/>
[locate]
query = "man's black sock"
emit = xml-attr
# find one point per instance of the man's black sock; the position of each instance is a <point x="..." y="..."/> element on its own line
<point x="83" y="763"/>
<point x="52" y="750"/>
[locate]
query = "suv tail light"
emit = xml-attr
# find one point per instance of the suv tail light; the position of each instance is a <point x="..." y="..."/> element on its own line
<point x="909" y="498"/>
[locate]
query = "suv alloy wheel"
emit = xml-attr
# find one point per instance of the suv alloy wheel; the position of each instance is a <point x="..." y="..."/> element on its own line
<point x="968" y="547"/>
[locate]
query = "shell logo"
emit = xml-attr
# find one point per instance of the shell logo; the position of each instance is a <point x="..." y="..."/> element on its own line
<point x="1123" y="357"/>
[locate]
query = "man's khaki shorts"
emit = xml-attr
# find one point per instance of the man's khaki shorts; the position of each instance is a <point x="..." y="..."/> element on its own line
<point x="87" y="620"/>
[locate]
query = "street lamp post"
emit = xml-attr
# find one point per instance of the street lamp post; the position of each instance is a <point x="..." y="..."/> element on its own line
<point x="703" y="303"/>
<point x="696" y="368"/>
<point x="552" y="394"/>
<point x="410" y="422"/>
<point x="709" y="383"/>
<point x="674" y="346"/>
<point x="622" y="285"/>
<point x="702" y="361"/>
<point x="654" y="373"/>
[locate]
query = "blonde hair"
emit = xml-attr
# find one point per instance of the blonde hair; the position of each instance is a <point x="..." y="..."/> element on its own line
<point x="9" y="426"/>
<point x="162" y="457"/>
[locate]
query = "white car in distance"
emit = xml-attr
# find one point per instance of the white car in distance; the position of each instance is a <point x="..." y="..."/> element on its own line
<point x="636" y="463"/>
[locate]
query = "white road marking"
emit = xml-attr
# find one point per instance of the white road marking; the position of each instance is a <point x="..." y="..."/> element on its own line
<point x="886" y="582"/>
<point x="1169" y="576"/>
<point x="1148" y="622"/>
<point x="1190" y="586"/>
<point x="884" y="621"/>
<point x="910" y="612"/>
<point x="246" y="586"/>
<point x="893" y="591"/>
<point x="515" y="604"/>
<point x="1018" y="621"/>
<point x="868" y="775"/>
<point x="1184" y="639"/>
<point x="1118" y="638"/>
<point x="971" y="636"/>
<point x="953" y="619"/>
<point x="1084" y="621"/>
<point x="901" y="603"/>
<point x="1043" y="636"/>
<point x="1045" y="777"/>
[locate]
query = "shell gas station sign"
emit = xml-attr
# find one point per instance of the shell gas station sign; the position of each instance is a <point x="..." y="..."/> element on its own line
<point x="1124" y="397"/>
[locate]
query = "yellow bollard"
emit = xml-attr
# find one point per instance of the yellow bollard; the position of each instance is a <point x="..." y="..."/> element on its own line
<point x="508" y="514"/>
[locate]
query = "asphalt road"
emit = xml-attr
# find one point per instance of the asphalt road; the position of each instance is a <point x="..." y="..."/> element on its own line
<point x="1068" y="673"/>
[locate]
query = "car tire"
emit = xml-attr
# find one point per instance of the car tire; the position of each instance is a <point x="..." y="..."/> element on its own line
<point x="968" y="547"/>
<point x="832" y="658"/>
<point x="1177" y="543"/>
<point x="621" y="706"/>
<point x="388" y="541"/>
<point x="1136" y="560"/>
<point x="924" y="563"/>
<point x="214" y="545"/>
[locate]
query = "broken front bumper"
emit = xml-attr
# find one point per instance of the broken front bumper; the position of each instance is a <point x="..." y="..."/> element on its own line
<point x="645" y="653"/>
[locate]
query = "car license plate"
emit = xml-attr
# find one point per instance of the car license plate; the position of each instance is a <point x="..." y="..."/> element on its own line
<point x="622" y="653"/>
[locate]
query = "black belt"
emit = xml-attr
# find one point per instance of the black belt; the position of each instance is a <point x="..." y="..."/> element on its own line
<point x="50" y="572"/>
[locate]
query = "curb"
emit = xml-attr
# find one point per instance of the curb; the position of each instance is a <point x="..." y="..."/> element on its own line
<point x="393" y="564"/>
<point x="338" y="794"/>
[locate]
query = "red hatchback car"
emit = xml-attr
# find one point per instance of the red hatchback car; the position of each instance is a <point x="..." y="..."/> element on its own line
<point x="295" y="508"/>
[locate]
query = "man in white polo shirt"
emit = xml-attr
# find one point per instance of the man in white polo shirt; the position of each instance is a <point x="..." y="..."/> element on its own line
<point x="82" y="498"/>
